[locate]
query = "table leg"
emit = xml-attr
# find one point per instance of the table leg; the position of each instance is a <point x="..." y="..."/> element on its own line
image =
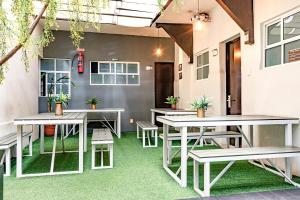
<point x="152" y="117"/>
<point x="183" y="156"/>
<point x="53" y="150"/>
<point x="19" y="150"/>
<point x="165" y="145"/>
<point x="81" y="147"/>
<point x="288" y="142"/>
<point x="42" y="140"/>
<point x="119" y="125"/>
<point x="85" y="134"/>
<point x="251" y="134"/>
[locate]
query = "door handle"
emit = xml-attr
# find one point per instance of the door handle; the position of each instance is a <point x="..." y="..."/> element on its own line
<point x="229" y="101"/>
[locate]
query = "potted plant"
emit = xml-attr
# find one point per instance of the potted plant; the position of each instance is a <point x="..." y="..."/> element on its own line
<point x="60" y="102"/>
<point x="50" y="129"/>
<point x="93" y="102"/>
<point x="172" y="101"/>
<point x="201" y="105"/>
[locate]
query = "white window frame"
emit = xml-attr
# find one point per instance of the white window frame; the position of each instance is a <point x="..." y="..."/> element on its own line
<point x="115" y="72"/>
<point x="202" y="66"/>
<point x="282" y="41"/>
<point x="54" y="72"/>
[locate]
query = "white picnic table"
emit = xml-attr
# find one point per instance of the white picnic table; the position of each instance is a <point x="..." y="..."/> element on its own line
<point x="50" y="119"/>
<point x="170" y="112"/>
<point x="118" y="111"/>
<point x="183" y="122"/>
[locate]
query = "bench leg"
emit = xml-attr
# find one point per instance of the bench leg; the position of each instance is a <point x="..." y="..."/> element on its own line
<point x="7" y="162"/>
<point x="144" y="139"/>
<point x="102" y="159"/>
<point x="111" y="155"/>
<point x="137" y="132"/>
<point x="156" y="136"/>
<point x="196" y="175"/>
<point x="93" y="155"/>
<point x="169" y="152"/>
<point x="206" y="179"/>
<point x="62" y="129"/>
<point x="42" y="141"/>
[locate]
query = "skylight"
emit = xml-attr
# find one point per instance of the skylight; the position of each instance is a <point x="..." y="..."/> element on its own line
<point x="132" y="13"/>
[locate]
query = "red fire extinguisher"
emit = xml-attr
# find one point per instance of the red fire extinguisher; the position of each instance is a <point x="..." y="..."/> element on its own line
<point x="80" y="53"/>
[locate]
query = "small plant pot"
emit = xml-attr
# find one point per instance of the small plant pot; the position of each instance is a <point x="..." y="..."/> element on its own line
<point x="58" y="109"/>
<point x="93" y="106"/>
<point x="49" y="130"/>
<point x="200" y="113"/>
<point x="173" y="106"/>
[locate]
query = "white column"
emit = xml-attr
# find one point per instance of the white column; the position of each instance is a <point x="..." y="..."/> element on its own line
<point x="19" y="150"/>
<point x="119" y="125"/>
<point x="288" y="142"/>
<point x="183" y="131"/>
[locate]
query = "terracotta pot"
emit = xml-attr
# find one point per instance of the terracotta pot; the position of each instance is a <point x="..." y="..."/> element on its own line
<point x="200" y="113"/>
<point x="173" y="106"/>
<point x="93" y="106"/>
<point x="49" y="130"/>
<point x="58" y="109"/>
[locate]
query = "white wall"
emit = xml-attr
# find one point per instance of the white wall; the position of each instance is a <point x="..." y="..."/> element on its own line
<point x="273" y="91"/>
<point x="19" y="92"/>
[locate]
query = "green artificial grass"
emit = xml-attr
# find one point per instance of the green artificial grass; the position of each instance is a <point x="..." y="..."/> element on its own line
<point x="137" y="174"/>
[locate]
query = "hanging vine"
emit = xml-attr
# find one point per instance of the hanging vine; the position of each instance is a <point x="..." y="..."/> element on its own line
<point x="82" y="14"/>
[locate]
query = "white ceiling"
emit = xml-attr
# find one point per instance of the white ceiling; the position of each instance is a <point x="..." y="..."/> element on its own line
<point x="185" y="10"/>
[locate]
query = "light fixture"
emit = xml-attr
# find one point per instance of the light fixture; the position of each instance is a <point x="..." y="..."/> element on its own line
<point x="158" y="51"/>
<point x="199" y="18"/>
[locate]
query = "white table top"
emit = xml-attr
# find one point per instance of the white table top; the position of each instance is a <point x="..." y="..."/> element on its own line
<point x="96" y="110"/>
<point x="169" y="111"/>
<point x="51" y="118"/>
<point x="229" y="120"/>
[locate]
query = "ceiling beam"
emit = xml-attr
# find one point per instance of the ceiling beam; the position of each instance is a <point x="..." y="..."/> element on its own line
<point x="242" y="13"/>
<point x="182" y="34"/>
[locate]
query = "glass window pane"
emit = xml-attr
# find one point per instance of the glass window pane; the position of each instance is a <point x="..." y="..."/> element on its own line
<point x="104" y="67"/>
<point x="58" y="89"/>
<point x="291" y="26"/>
<point x="62" y="77"/>
<point x="132" y="68"/>
<point x="205" y="58"/>
<point x="50" y="90"/>
<point x="94" y="67"/>
<point x="112" y="67"/>
<point x="47" y="64"/>
<point x="199" y="73"/>
<point x="96" y="78"/>
<point x="119" y="68"/>
<point x="43" y="84"/>
<point x="133" y="79"/>
<point x="273" y="33"/>
<point x="124" y="68"/>
<point x="121" y="79"/>
<point x="273" y="56"/>
<point x="50" y="77"/>
<point x="109" y="79"/>
<point x="65" y="89"/>
<point x="292" y="51"/>
<point x="62" y="65"/>
<point x="199" y="61"/>
<point x="205" y="72"/>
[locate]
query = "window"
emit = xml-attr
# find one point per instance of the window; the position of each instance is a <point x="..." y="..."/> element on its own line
<point x="55" y="74"/>
<point x="203" y="65"/>
<point x="115" y="73"/>
<point x="282" y="40"/>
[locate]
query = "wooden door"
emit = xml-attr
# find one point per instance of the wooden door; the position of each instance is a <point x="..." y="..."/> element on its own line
<point x="164" y="83"/>
<point x="233" y="81"/>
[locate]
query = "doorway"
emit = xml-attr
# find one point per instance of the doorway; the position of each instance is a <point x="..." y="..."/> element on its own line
<point x="233" y="81"/>
<point x="164" y="83"/>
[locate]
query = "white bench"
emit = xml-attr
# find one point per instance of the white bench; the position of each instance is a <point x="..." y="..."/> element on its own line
<point x="104" y="138"/>
<point x="195" y="136"/>
<point x="232" y="155"/>
<point x="146" y="128"/>
<point x="8" y="141"/>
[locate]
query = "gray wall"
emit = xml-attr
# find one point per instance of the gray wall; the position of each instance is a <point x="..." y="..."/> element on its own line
<point x="137" y="100"/>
